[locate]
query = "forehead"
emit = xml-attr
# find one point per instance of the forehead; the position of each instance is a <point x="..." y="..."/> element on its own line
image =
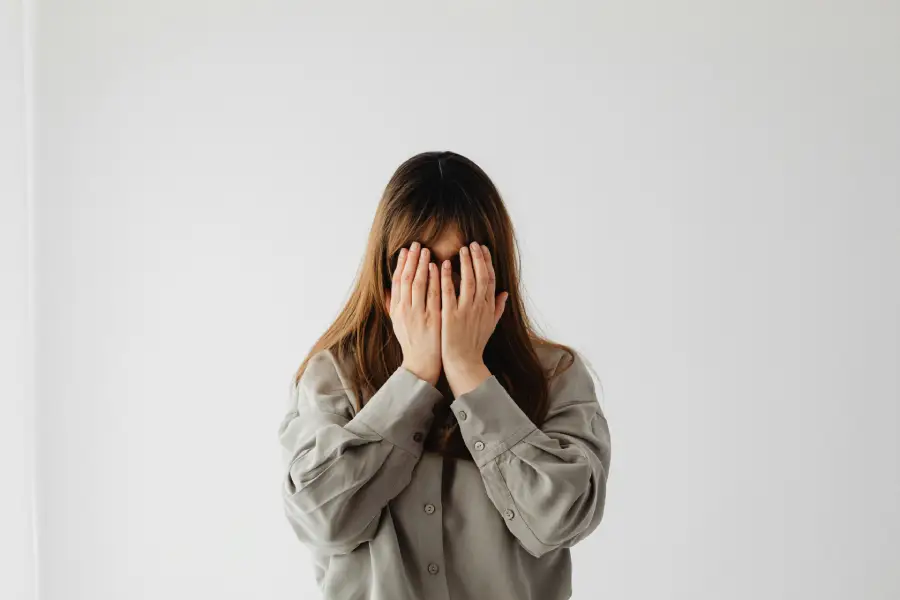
<point x="447" y="242"/>
<point x="444" y="245"/>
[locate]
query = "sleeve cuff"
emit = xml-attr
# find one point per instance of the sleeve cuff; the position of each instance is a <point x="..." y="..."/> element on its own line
<point x="490" y="420"/>
<point x="401" y="411"/>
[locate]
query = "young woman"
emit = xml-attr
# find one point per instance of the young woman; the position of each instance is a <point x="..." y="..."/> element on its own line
<point x="435" y="446"/>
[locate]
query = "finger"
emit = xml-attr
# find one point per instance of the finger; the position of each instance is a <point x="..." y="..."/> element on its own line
<point x="409" y="272"/>
<point x="466" y="277"/>
<point x="395" y="279"/>
<point x="481" y="276"/>
<point x="448" y="290"/>
<point x="492" y="275"/>
<point x="433" y="304"/>
<point x="420" y="283"/>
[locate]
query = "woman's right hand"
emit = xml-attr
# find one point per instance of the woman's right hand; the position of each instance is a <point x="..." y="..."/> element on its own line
<point x="416" y="312"/>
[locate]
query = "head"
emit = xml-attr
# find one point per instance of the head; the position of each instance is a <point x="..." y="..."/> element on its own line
<point x="444" y="201"/>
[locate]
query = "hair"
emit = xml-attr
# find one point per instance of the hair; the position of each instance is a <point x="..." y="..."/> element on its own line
<point x="426" y="194"/>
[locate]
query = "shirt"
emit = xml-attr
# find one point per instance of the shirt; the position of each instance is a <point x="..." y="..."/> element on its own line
<point x="385" y="520"/>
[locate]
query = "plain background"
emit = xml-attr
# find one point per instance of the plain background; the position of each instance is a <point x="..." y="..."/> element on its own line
<point x="17" y="547"/>
<point x="708" y="204"/>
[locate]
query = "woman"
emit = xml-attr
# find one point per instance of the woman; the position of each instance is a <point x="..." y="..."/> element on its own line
<point x="435" y="446"/>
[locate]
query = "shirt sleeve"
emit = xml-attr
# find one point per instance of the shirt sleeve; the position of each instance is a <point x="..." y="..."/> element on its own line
<point x="340" y="468"/>
<point x="547" y="483"/>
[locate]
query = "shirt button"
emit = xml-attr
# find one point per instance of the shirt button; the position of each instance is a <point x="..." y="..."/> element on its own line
<point x="429" y="508"/>
<point x="462" y="415"/>
<point x="479" y="445"/>
<point x="509" y="514"/>
<point x="417" y="436"/>
<point x="432" y="568"/>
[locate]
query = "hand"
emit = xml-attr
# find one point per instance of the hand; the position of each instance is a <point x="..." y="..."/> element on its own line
<point x="468" y="321"/>
<point x="415" y="312"/>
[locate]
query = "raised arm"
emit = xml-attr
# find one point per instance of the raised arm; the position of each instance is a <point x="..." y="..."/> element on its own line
<point x="341" y="468"/>
<point x="547" y="483"/>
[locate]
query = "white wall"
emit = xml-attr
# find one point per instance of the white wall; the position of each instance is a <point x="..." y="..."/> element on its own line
<point x="707" y="199"/>
<point x="17" y="563"/>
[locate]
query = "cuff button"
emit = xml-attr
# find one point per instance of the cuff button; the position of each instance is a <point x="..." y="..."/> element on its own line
<point x="417" y="436"/>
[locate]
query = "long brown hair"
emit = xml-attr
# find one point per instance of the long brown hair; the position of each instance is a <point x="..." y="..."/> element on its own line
<point x="426" y="194"/>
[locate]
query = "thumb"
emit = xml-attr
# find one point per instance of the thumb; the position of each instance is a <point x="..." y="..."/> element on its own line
<point x="499" y="305"/>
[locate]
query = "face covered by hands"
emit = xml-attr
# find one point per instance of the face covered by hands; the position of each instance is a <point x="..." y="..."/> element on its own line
<point x="440" y="325"/>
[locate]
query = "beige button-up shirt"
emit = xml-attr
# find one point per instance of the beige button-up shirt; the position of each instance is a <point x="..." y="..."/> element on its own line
<point x="386" y="521"/>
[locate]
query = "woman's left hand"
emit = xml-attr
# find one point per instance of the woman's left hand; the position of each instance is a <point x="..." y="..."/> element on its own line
<point x="468" y="321"/>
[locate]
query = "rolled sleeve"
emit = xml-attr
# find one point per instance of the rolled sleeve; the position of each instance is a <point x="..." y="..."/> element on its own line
<point x="490" y="421"/>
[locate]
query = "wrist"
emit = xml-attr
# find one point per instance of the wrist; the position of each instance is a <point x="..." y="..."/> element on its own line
<point x="421" y="373"/>
<point x="463" y="366"/>
<point x="465" y="376"/>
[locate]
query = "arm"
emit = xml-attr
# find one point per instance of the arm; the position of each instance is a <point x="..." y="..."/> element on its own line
<point x="342" y="469"/>
<point x="548" y="483"/>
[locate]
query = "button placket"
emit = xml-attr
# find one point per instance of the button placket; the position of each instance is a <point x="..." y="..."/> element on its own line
<point x="429" y="529"/>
